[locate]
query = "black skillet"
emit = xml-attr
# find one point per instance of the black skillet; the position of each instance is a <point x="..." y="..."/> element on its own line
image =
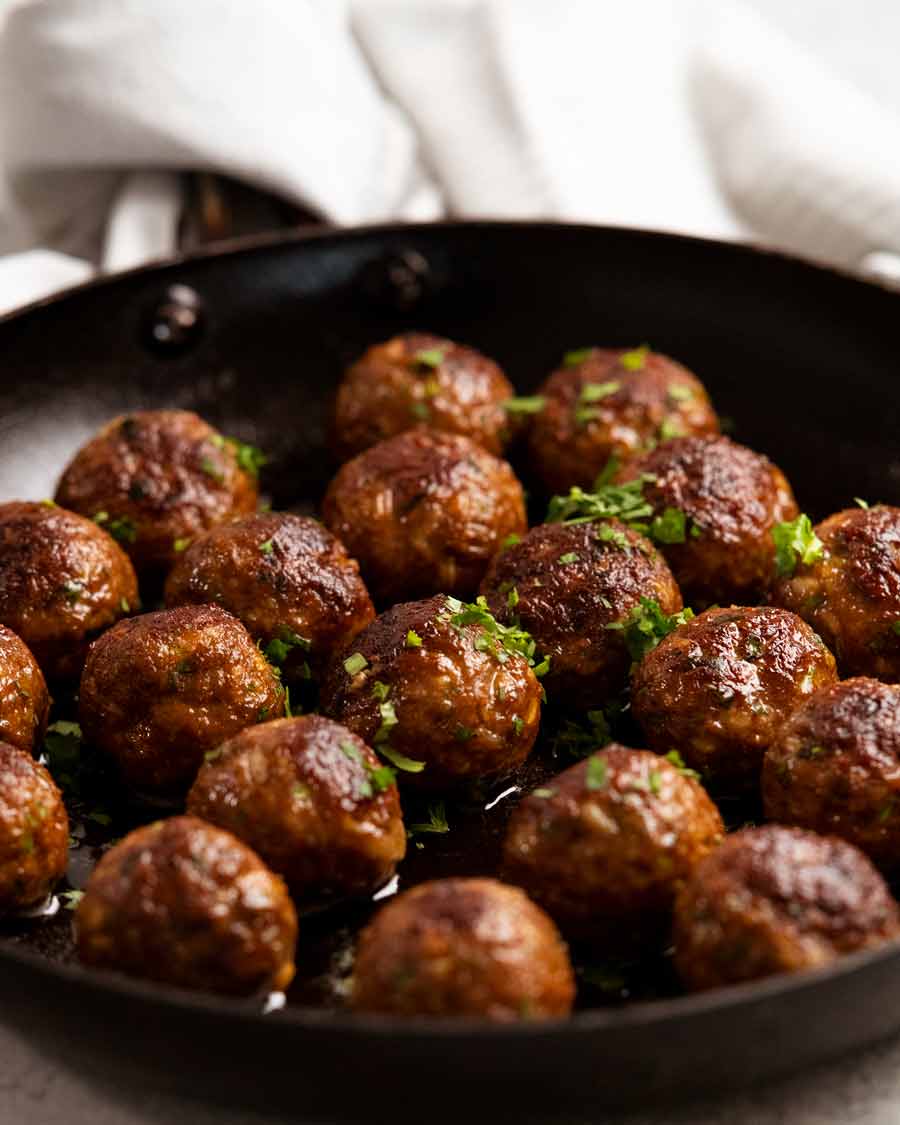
<point x="253" y="338"/>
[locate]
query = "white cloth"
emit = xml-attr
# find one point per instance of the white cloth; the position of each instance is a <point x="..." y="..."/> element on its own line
<point x="691" y="115"/>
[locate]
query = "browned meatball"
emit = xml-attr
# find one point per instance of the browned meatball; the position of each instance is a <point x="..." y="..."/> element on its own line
<point x="312" y="799"/>
<point x="605" y="846"/>
<point x="62" y="581"/>
<point x="775" y="900"/>
<point x="24" y="699"/>
<point x="731" y="498"/>
<point x="286" y="577"/>
<point x="161" y="690"/>
<point x="417" y="379"/>
<point x="155" y="478"/>
<point x="424" y="512"/>
<point x="186" y="903"/>
<point x="34" y="831"/>
<point x="834" y="767"/>
<point x="609" y="402"/>
<point x="463" y="947"/>
<point x="435" y="682"/>
<point x="567" y="584"/>
<point x="720" y="688"/>
<point x="851" y="592"/>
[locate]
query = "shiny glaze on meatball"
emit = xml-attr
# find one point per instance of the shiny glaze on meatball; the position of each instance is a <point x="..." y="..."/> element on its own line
<point x="418" y="379"/>
<point x="834" y="767"/>
<point x="424" y="512"/>
<point x="62" y="581"/>
<point x="312" y="800"/>
<point x="182" y="902"/>
<point x="721" y="687"/>
<point x="606" y="845"/>
<point x="161" y="690"/>
<point x="286" y="577"/>
<point x="776" y="900"/>
<point x="613" y="402"/>
<point x="34" y="831"/>
<point x="463" y="947"/>
<point x="851" y="595"/>
<point x="731" y="497"/>
<point x="156" y="478"/>
<point x="463" y="705"/>
<point x="24" y="699"/>
<point x="567" y="584"/>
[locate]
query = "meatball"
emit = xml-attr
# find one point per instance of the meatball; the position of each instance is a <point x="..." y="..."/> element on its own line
<point x="286" y="577"/>
<point x="440" y="683"/>
<point x="161" y="690"/>
<point x="24" y="699"/>
<point x="62" y="581"/>
<point x="185" y="903"/>
<point x="775" y="900"/>
<point x="424" y="512"/>
<point x="720" y="688"/>
<point x="731" y="499"/>
<point x="463" y="947"/>
<point x="34" y="831"/>
<point x="156" y="478"/>
<point x="417" y="378"/>
<point x="609" y="402"/>
<point x="605" y="846"/>
<point x="312" y="799"/>
<point x="850" y="592"/>
<point x="834" y="767"/>
<point x="566" y="584"/>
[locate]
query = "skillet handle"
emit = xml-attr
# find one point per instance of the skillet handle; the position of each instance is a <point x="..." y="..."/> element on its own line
<point x="219" y="208"/>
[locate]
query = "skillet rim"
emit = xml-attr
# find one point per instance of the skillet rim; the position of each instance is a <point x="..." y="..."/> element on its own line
<point x="582" y="1023"/>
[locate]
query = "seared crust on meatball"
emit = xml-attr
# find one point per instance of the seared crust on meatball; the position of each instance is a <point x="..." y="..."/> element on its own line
<point x="606" y="845"/>
<point x="851" y="595"/>
<point x="731" y="497"/>
<point x="834" y="767"/>
<point x="161" y="690"/>
<point x="566" y="584"/>
<point x="156" y="478"/>
<point x="185" y="903"/>
<point x="775" y="900"/>
<point x="424" y="512"/>
<point x="721" y="687"/>
<point x="312" y="800"/>
<point x="613" y="403"/>
<point x="24" y="699"/>
<point x="62" y="581"/>
<point x="286" y="577"/>
<point x="417" y="379"/>
<point x="34" y="831"/>
<point x="463" y="947"/>
<point x="422" y="682"/>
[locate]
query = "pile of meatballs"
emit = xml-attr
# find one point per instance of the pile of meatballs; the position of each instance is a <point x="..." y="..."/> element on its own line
<point x="430" y="633"/>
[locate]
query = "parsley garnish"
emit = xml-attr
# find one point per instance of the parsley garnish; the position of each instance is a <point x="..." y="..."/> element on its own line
<point x="570" y="557"/>
<point x="248" y="457"/>
<point x="545" y="792"/>
<point x="573" y="359"/>
<point x="378" y="778"/>
<point x="180" y="545"/>
<point x="678" y="762"/>
<point x="420" y="410"/>
<point x="525" y="404"/>
<point x="500" y="641"/>
<point x="212" y="470"/>
<point x="510" y="541"/>
<point x="795" y="542"/>
<point x="610" y="501"/>
<point x="381" y="690"/>
<point x="864" y="504"/>
<point x="592" y="392"/>
<point x="462" y="733"/>
<point x="596" y="775"/>
<point x="512" y="598"/>
<point x="436" y="823"/>
<point x="278" y="649"/>
<point x="635" y="359"/>
<point x="70" y="899"/>
<point x="408" y="765"/>
<point x="669" y="527"/>
<point x="679" y="392"/>
<point x="670" y="428"/>
<point x="72" y="592"/>
<point x="266" y="548"/>
<point x="388" y="721"/>
<point x="122" y="529"/>
<point x="646" y="626"/>
<point x="355" y="664"/>
<point x="655" y="779"/>
<point x="413" y="640"/>
<point x="430" y="357"/>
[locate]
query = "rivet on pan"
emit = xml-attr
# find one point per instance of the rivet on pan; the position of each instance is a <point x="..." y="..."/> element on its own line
<point x="177" y="321"/>
<point x="397" y="279"/>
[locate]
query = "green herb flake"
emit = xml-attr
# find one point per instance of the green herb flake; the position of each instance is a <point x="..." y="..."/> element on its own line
<point x="382" y="777"/>
<point x="646" y="626"/>
<point x="431" y="358"/>
<point x="125" y="605"/>
<point x="212" y="470"/>
<point x="671" y="428"/>
<point x="380" y="690"/>
<point x="518" y="724"/>
<point x="267" y="547"/>
<point x="352" y="751"/>
<point x="248" y="457"/>
<point x="70" y="899"/>
<point x="596" y="775"/>
<point x="635" y="359"/>
<point x="679" y="763"/>
<point x="436" y="823"/>
<point x="795" y="542"/>
<point x="354" y="664"/>
<point x="624" y="502"/>
<point x="579" y="355"/>
<point x="680" y="392"/>
<point x="281" y="646"/>
<point x="413" y="640"/>
<point x="48" y="503"/>
<point x="72" y="592"/>
<point x="420" y="410"/>
<point x="864" y="504"/>
<point x="525" y="404"/>
<point x="608" y="534"/>
<point x="570" y="557"/>
<point x="463" y="733"/>
<point x="301" y="791"/>
<point x="594" y="392"/>
<point x="510" y="541"/>
<point x="669" y="527"/>
<point x="407" y="765"/>
<point x="545" y="793"/>
<point x="122" y="529"/>
<point x="655" y="780"/>
<point x="181" y="545"/>
<point x="512" y="598"/>
<point x="388" y="721"/>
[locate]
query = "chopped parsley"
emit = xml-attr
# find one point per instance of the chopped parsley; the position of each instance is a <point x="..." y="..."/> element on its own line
<point x="388" y="721"/>
<point x="354" y="664"/>
<point x="596" y="775"/>
<point x="436" y="823"/>
<point x="646" y="626"/>
<point x="122" y="529"/>
<point x="635" y="359"/>
<point x="413" y="640"/>
<point x="381" y="690"/>
<point x="545" y="792"/>
<point x="420" y="410"/>
<point x="72" y="592"/>
<point x="501" y="641"/>
<point x="510" y="541"/>
<point x="267" y="548"/>
<point x="70" y="899"/>
<point x="279" y="648"/>
<point x="512" y="598"/>
<point x="669" y="527"/>
<point x="678" y="762"/>
<point x="574" y="358"/>
<point x="180" y="545"/>
<point x="655" y="780"/>
<point x="518" y="724"/>
<point x="795" y="542"/>
<point x="431" y="358"/>
<point x="591" y="393"/>
<point x="378" y="778"/>
<point x="608" y="534"/>
<point x="248" y="457"/>
<point x="609" y="501"/>
<point x="671" y="428"/>
<point x="679" y="392"/>
<point x="570" y="557"/>
<point x="408" y="765"/>
<point x="212" y="470"/>
<point x="463" y="733"/>
<point x="525" y="404"/>
<point x="864" y="504"/>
